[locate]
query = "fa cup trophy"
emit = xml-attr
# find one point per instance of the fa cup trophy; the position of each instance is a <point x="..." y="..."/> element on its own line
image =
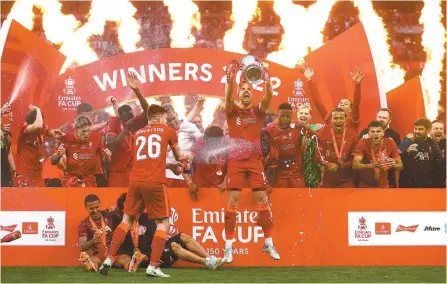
<point x="252" y="69"/>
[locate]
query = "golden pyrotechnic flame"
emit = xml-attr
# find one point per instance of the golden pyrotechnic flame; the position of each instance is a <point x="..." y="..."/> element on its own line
<point x="389" y="75"/>
<point x="433" y="41"/>
<point x="65" y="30"/>
<point x="242" y="14"/>
<point x="184" y="15"/>
<point x="178" y="103"/>
<point x="22" y="12"/>
<point x="209" y="108"/>
<point x="303" y="29"/>
<point x="77" y="48"/>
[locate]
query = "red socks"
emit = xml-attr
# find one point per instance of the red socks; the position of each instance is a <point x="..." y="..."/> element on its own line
<point x="117" y="239"/>
<point x="158" y="243"/>
<point x="230" y="221"/>
<point x="265" y="219"/>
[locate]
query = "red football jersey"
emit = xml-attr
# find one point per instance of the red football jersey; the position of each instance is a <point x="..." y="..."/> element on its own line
<point x="288" y="146"/>
<point x="327" y="148"/>
<point x="122" y="155"/>
<point x="149" y="152"/>
<point x="245" y="126"/>
<point x="387" y="150"/>
<point x="82" y="156"/>
<point x="209" y="166"/>
<point x="85" y="228"/>
<point x="31" y="151"/>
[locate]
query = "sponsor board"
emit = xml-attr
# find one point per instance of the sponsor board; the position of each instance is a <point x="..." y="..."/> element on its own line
<point x="397" y="228"/>
<point x="37" y="228"/>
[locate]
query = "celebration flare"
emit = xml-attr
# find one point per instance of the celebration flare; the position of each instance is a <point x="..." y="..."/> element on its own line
<point x="242" y="14"/>
<point x="389" y="75"/>
<point x="433" y="41"/>
<point x="184" y="15"/>
<point x="302" y="30"/>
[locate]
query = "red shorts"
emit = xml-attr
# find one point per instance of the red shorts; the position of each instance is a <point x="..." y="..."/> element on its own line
<point x="119" y="179"/>
<point x="151" y="195"/>
<point x="246" y="174"/>
<point x="289" y="181"/>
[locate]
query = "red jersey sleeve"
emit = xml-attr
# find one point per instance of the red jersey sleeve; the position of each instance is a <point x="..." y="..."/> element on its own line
<point x="318" y="101"/>
<point x="83" y="229"/>
<point x="356" y="105"/>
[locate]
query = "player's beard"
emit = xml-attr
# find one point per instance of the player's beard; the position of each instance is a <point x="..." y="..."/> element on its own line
<point x="419" y="136"/>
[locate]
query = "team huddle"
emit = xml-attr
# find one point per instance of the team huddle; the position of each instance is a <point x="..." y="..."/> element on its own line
<point x="254" y="153"/>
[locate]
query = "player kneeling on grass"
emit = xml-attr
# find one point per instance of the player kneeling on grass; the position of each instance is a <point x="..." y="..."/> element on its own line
<point x="95" y="234"/>
<point x="139" y="239"/>
<point x="147" y="187"/>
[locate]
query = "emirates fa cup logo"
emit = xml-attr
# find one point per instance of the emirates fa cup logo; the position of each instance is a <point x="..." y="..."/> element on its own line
<point x="298" y="89"/>
<point x="50" y="223"/>
<point x="69" y="89"/>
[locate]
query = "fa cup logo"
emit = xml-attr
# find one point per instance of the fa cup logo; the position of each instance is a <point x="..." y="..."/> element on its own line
<point x="69" y="89"/>
<point x="298" y="89"/>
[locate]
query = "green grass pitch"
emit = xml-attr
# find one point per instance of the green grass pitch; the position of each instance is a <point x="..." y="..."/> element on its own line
<point x="231" y="274"/>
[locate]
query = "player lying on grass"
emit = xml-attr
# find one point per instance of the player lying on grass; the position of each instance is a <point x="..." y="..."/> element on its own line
<point x="136" y="247"/>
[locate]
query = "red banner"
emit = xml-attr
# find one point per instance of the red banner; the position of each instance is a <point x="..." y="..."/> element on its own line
<point x="333" y="63"/>
<point x="407" y="105"/>
<point x="311" y="228"/>
<point x="30" y="67"/>
<point x="178" y="71"/>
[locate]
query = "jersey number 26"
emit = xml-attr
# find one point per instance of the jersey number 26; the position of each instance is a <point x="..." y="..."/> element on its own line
<point x="153" y="146"/>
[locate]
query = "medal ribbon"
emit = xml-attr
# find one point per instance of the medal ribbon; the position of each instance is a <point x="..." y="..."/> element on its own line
<point x="338" y="151"/>
<point x="373" y="157"/>
<point x="103" y="233"/>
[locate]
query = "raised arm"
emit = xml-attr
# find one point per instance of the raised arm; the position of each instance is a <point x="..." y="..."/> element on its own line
<point x="111" y="100"/>
<point x="357" y="77"/>
<point x="132" y="81"/>
<point x="230" y="72"/>
<point x="38" y="122"/>
<point x="314" y="93"/>
<point x="198" y="107"/>
<point x="267" y="98"/>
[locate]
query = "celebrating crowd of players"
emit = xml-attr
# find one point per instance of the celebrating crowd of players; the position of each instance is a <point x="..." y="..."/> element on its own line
<point x="250" y="151"/>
